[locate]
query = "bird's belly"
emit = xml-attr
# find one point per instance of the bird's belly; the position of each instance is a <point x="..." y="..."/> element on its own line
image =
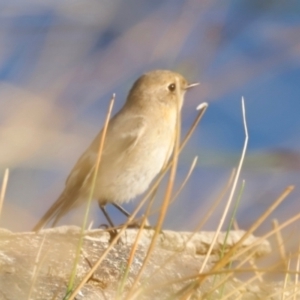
<point x="132" y="175"/>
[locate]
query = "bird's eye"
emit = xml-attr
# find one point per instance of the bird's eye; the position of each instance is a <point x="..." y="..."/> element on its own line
<point x="172" y="87"/>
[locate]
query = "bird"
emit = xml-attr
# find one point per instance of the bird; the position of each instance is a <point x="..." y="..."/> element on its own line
<point x="139" y="141"/>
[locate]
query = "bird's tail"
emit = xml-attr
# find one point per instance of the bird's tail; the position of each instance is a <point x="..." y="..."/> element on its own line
<point x="58" y="209"/>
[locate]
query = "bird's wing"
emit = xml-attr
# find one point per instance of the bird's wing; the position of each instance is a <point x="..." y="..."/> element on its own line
<point x="116" y="144"/>
<point x="122" y="136"/>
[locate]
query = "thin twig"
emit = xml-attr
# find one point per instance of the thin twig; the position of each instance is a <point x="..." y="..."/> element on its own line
<point x="297" y="275"/>
<point x="83" y="227"/>
<point x="36" y="267"/>
<point x="280" y="242"/>
<point x="3" y="188"/>
<point x="185" y="179"/>
<point x="231" y="193"/>
<point x="286" y="278"/>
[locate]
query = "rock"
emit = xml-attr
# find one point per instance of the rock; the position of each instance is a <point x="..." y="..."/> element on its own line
<point x="39" y="265"/>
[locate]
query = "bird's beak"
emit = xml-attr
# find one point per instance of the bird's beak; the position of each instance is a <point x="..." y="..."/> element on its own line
<point x="192" y="85"/>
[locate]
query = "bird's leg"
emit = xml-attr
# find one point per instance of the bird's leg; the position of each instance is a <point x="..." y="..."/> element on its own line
<point x="103" y="209"/>
<point x="134" y="224"/>
<point x="121" y="209"/>
<point x="113" y="232"/>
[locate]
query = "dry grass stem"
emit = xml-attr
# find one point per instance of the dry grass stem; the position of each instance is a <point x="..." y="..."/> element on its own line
<point x="232" y="191"/>
<point x="233" y="253"/>
<point x="83" y="227"/>
<point x="3" y="188"/>
<point x="202" y="108"/>
<point x="280" y="242"/>
<point x="216" y="202"/>
<point x="297" y="275"/>
<point x="187" y="177"/>
<point x="90" y="225"/>
<point x="258" y="274"/>
<point x="228" y="272"/>
<point x="35" y="268"/>
<point x="293" y="294"/>
<point x="194" y="162"/>
<point x="249" y="256"/>
<point x="258" y="222"/>
<point x="241" y="287"/>
<point x="236" y="225"/>
<point x="135" y="244"/>
<point x="286" y="278"/>
<point x="238" y="268"/>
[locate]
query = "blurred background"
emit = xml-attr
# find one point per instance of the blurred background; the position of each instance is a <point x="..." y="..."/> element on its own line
<point x="60" y="62"/>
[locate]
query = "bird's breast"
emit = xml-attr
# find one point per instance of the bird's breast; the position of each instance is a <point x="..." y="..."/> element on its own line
<point x="132" y="173"/>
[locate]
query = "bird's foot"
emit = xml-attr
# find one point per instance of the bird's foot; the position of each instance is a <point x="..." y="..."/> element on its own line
<point x="112" y="233"/>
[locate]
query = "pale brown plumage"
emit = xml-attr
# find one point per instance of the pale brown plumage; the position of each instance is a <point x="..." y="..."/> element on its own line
<point x="139" y="141"/>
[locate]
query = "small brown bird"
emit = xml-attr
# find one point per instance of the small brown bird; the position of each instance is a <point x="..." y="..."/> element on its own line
<point x="139" y="142"/>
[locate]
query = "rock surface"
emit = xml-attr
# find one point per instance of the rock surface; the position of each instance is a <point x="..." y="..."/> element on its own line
<point x="38" y="265"/>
